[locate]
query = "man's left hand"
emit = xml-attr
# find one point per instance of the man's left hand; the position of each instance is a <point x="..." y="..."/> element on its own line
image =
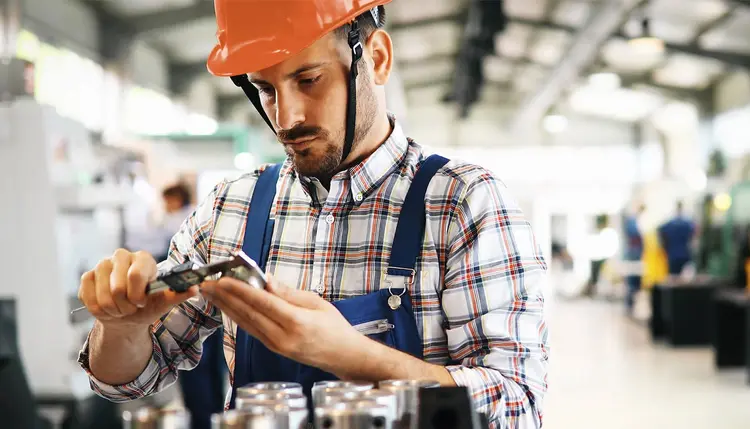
<point x="294" y="323"/>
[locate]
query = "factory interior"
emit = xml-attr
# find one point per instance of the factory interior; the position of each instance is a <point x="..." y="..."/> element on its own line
<point x="604" y="119"/>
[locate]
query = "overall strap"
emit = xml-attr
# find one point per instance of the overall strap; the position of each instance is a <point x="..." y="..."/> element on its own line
<point x="256" y="232"/>
<point x="407" y="243"/>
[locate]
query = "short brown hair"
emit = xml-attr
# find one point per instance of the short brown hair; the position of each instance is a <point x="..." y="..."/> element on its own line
<point x="179" y="191"/>
<point x="367" y="25"/>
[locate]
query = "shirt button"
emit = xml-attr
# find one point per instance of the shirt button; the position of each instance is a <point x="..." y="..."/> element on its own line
<point x="358" y="197"/>
<point x="330" y="219"/>
<point x="321" y="288"/>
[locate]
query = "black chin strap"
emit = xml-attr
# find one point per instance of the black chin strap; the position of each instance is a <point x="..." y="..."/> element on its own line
<point x="351" y="106"/>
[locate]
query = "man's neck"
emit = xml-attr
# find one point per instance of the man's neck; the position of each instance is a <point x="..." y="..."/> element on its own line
<point x="378" y="134"/>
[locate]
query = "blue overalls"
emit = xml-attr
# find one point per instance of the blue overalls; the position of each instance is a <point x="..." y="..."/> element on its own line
<point x="256" y="363"/>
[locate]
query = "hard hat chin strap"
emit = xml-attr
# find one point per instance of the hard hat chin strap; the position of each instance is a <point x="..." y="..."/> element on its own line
<point x="351" y="106"/>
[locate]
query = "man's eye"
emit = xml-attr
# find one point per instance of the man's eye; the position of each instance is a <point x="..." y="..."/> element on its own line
<point x="310" y="81"/>
<point x="266" y="90"/>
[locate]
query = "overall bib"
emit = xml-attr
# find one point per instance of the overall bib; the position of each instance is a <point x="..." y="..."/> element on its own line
<point x="256" y="363"/>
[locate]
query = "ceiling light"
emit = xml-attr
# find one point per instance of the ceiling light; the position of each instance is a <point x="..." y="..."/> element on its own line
<point x="555" y="124"/>
<point x="646" y="44"/>
<point x="605" y="80"/>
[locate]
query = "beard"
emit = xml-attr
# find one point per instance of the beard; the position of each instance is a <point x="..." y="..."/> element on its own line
<point x="324" y="157"/>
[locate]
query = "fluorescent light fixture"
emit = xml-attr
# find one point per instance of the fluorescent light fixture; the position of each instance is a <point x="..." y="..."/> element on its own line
<point x="621" y="104"/>
<point x="244" y="161"/>
<point x="201" y="125"/>
<point x="605" y="81"/>
<point x="555" y="124"/>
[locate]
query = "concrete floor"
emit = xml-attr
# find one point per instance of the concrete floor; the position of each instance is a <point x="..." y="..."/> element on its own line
<point x="605" y="373"/>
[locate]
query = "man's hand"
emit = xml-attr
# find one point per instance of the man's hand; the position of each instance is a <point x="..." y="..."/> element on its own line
<point x="294" y="323"/>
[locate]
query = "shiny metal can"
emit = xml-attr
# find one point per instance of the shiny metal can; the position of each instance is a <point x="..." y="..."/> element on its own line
<point x="257" y="388"/>
<point x="284" y="416"/>
<point x="294" y="400"/>
<point x="323" y="388"/>
<point x="382" y="397"/>
<point x="244" y="419"/>
<point x="355" y="414"/>
<point x="152" y="418"/>
<point x="407" y="399"/>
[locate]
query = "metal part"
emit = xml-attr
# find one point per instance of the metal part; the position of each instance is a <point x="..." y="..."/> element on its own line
<point x="285" y="417"/>
<point x="244" y="419"/>
<point x="378" y="396"/>
<point x="151" y="418"/>
<point x="407" y="398"/>
<point x="294" y="400"/>
<point x="324" y="388"/>
<point x="253" y="389"/>
<point x="359" y="414"/>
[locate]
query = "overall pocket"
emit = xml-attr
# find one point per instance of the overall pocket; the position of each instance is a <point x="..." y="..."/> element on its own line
<point x="380" y="330"/>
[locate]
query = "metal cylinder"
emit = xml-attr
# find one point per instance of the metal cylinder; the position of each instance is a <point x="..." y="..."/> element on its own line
<point x="407" y="399"/>
<point x="360" y="414"/>
<point x="284" y="416"/>
<point x="257" y="388"/>
<point x="244" y="419"/>
<point x="323" y="388"/>
<point x="152" y="418"/>
<point x="294" y="400"/>
<point x="382" y="397"/>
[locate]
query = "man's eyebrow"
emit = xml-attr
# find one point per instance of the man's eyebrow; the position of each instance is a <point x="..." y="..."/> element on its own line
<point x="292" y="75"/>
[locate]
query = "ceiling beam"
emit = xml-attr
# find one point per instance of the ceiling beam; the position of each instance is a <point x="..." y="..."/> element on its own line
<point x="170" y="18"/>
<point x="584" y="50"/>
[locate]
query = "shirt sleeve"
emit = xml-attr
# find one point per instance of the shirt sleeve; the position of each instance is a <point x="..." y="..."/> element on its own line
<point x="178" y="336"/>
<point x="493" y="302"/>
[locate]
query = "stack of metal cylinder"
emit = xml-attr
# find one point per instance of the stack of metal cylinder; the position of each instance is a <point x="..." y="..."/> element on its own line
<point x="393" y="404"/>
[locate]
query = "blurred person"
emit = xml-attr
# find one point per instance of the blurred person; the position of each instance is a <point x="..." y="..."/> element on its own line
<point x="357" y="216"/>
<point x="202" y="387"/>
<point x="676" y="237"/>
<point x="633" y="255"/>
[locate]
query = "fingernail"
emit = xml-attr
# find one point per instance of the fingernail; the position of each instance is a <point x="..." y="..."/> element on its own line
<point x="140" y="305"/>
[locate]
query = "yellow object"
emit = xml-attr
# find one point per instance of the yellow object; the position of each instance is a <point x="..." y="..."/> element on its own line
<point x="747" y="272"/>
<point x="655" y="265"/>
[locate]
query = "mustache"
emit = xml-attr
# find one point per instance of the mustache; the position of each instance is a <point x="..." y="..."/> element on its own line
<point x="300" y="132"/>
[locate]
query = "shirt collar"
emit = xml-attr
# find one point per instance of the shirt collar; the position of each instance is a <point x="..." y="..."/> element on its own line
<point x="368" y="174"/>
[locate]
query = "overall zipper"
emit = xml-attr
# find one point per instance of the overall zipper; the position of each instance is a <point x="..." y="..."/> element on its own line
<point x="374" y="327"/>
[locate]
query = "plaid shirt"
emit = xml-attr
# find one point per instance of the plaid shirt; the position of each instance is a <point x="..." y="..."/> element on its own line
<point x="477" y="297"/>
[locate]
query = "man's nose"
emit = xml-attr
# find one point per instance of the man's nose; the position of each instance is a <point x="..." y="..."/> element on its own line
<point x="290" y="110"/>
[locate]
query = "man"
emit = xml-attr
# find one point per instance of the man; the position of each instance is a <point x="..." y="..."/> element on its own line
<point x="633" y="254"/>
<point x="676" y="237"/>
<point x="460" y="289"/>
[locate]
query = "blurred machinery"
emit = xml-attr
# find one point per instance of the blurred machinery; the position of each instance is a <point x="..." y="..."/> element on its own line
<point x="62" y="212"/>
<point x="486" y="18"/>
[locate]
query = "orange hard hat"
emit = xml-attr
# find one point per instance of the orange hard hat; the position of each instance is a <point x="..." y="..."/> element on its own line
<point x="256" y="34"/>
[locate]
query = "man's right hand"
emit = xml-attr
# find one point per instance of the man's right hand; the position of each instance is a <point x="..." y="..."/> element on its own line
<point x="115" y="291"/>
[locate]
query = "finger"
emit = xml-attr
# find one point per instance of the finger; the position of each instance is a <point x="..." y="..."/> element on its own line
<point x="142" y="271"/>
<point x="261" y="301"/>
<point x="300" y="298"/>
<point x="104" y="298"/>
<point x="164" y="302"/>
<point x="250" y="320"/>
<point x="118" y="282"/>
<point x="87" y="295"/>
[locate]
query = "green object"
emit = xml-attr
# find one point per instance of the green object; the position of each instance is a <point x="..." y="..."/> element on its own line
<point x="737" y="214"/>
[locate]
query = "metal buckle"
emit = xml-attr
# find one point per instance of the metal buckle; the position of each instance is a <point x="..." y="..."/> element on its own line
<point x="410" y="280"/>
<point x="356" y="54"/>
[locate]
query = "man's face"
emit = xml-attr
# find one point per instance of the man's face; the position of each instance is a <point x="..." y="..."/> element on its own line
<point x="305" y="98"/>
<point x="172" y="204"/>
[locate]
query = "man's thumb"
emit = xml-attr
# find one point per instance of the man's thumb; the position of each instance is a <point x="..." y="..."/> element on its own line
<point x="300" y="298"/>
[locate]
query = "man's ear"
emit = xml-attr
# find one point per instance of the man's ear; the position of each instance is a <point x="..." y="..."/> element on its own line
<point x="380" y="47"/>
